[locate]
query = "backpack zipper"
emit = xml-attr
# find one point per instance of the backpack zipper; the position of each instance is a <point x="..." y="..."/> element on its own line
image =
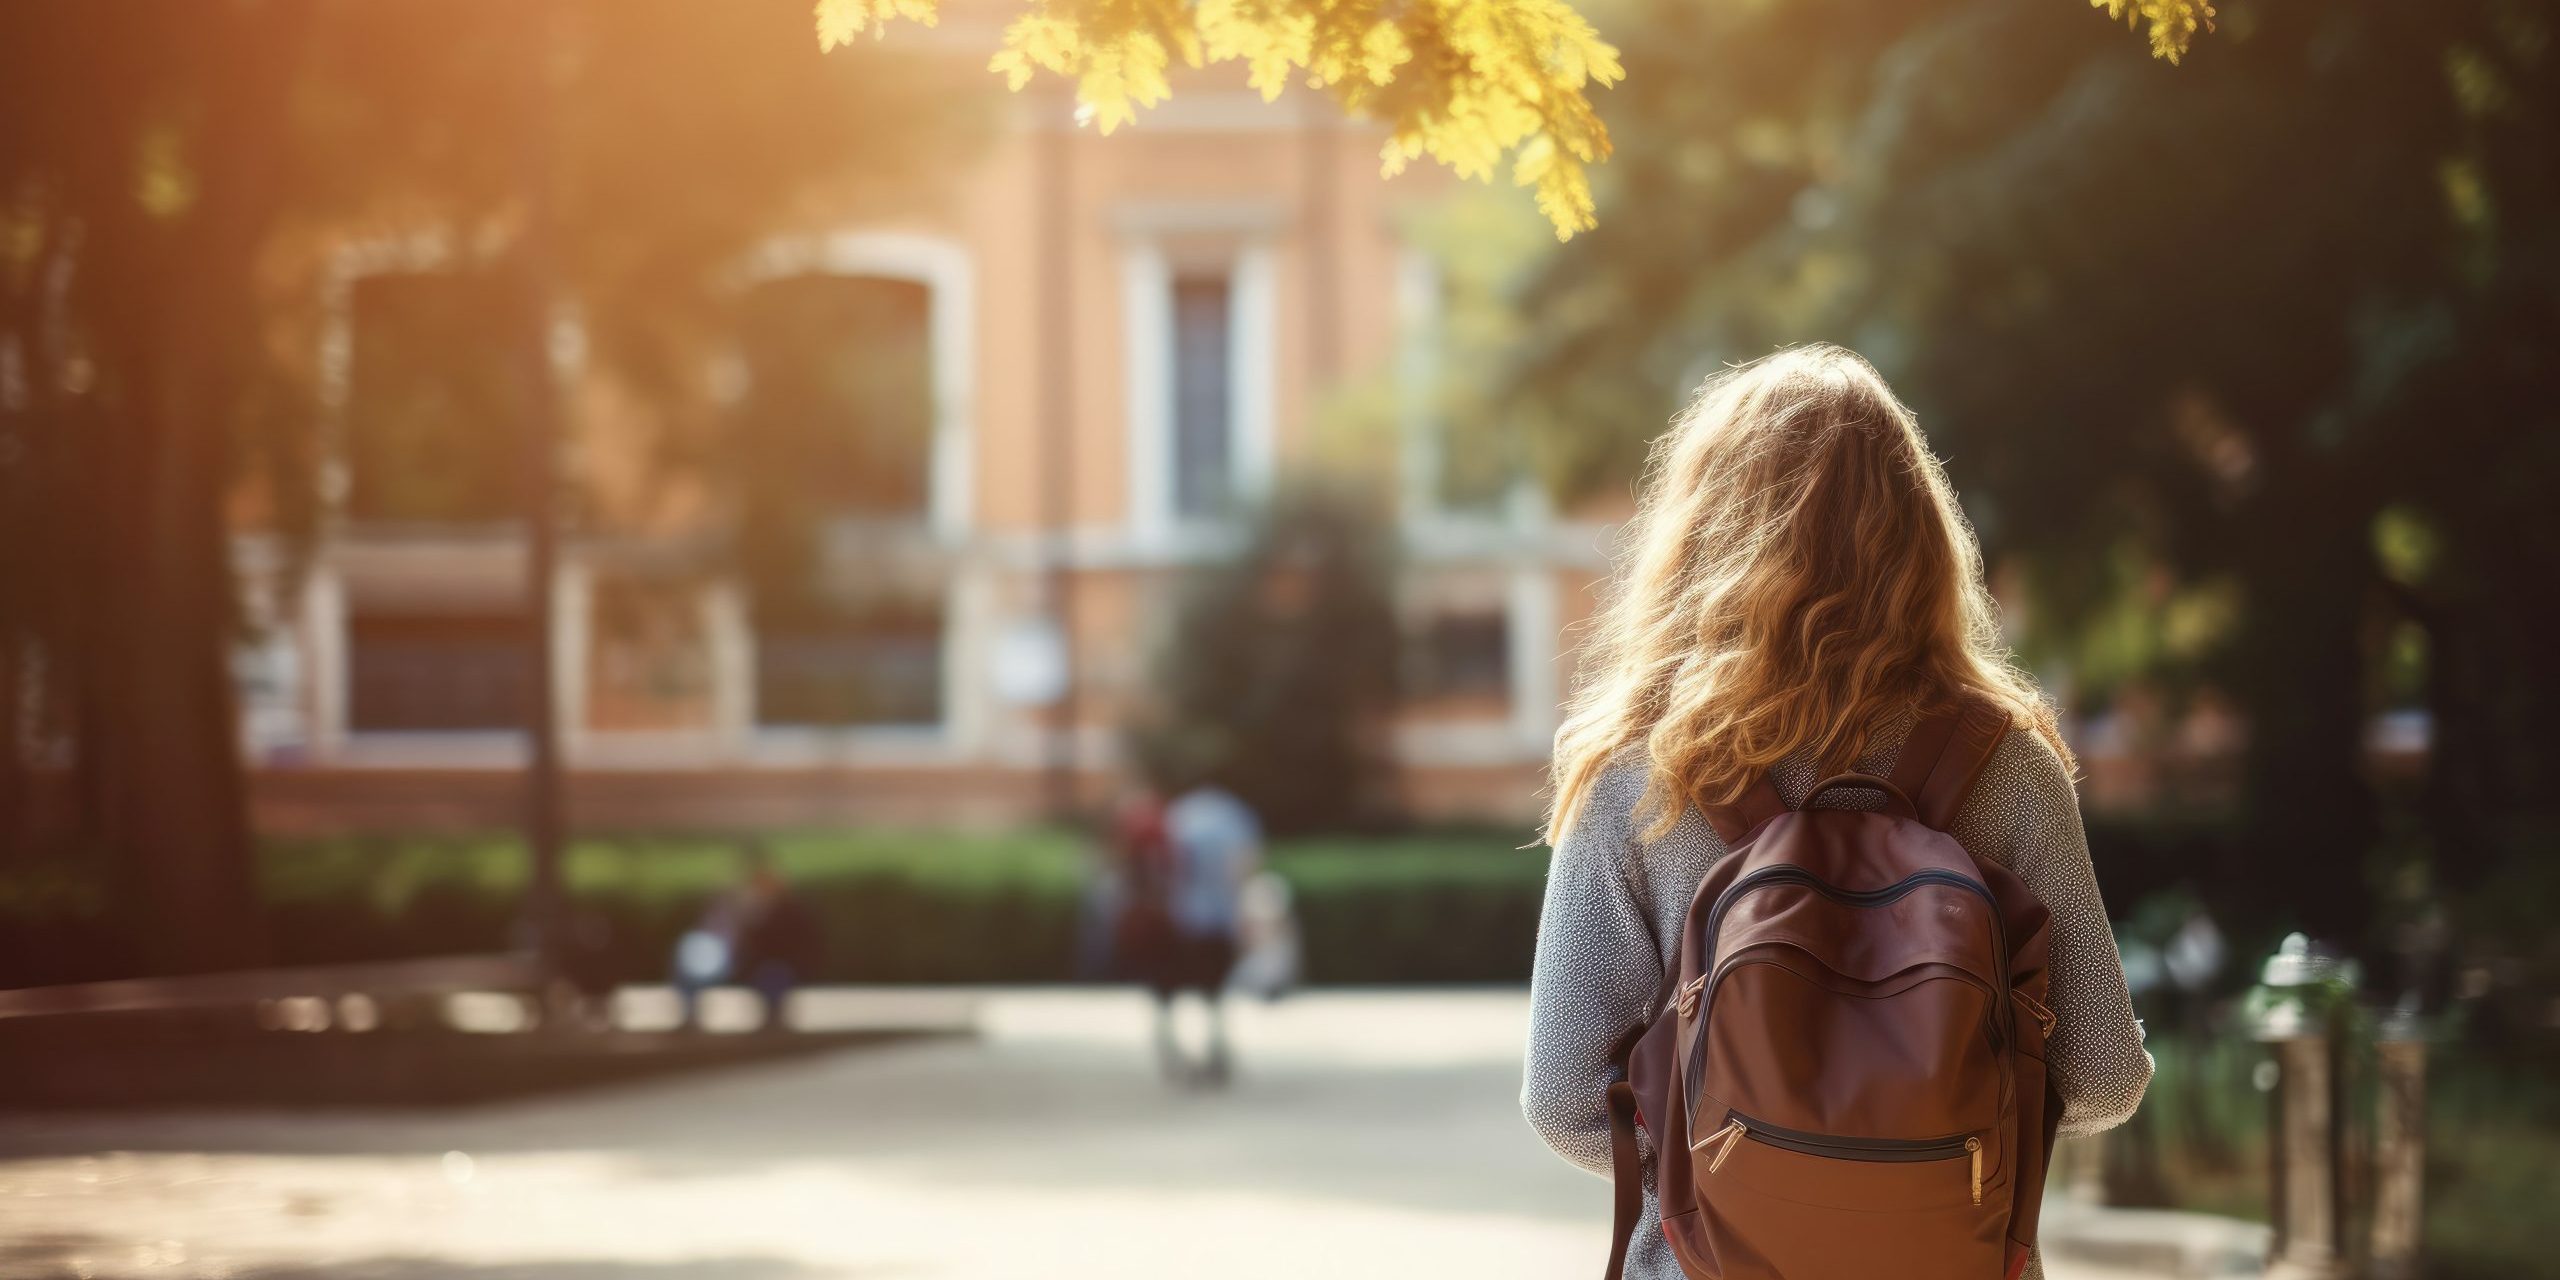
<point x="2044" y="1017"/>
<point x="1830" y="1147"/>
<point x="1694" y="1072"/>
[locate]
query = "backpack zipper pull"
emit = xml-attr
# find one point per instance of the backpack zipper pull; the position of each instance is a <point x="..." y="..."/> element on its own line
<point x="2044" y="1017"/>
<point x="1974" y="1147"/>
<point x="1730" y="1135"/>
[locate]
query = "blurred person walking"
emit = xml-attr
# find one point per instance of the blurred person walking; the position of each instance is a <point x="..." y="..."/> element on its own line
<point x="1213" y="847"/>
<point x="1125" y="927"/>
<point x="1804" y="601"/>
<point x="757" y="931"/>
<point x="1269" y="949"/>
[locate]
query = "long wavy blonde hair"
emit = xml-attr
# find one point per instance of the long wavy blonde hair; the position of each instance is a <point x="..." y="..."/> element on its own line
<point x="1798" y="571"/>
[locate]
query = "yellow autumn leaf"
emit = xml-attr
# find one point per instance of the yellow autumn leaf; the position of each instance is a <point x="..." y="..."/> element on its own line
<point x="1476" y="80"/>
<point x="2173" y="23"/>
<point x="839" y="21"/>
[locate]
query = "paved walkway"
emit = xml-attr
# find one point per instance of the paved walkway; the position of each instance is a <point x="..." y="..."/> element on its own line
<point x="1366" y="1135"/>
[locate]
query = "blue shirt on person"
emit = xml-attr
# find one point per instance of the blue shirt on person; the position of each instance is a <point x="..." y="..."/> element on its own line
<point x="1214" y="839"/>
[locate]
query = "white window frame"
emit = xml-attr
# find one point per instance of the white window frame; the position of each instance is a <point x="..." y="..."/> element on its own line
<point x="1421" y="445"/>
<point x="325" y="611"/>
<point x="1146" y="294"/>
<point x="943" y="267"/>
<point x="946" y="270"/>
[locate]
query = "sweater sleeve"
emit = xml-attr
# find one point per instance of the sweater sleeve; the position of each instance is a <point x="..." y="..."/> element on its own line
<point x="1597" y="968"/>
<point x="2024" y="814"/>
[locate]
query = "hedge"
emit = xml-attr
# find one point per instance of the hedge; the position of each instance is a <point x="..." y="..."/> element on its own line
<point x="904" y="906"/>
<point x="895" y="907"/>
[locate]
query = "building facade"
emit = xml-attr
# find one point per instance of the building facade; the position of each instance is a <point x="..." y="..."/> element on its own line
<point x="1007" y="415"/>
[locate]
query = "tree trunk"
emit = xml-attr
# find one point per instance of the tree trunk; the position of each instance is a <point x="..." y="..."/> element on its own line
<point x="2307" y="809"/>
<point x="164" y="744"/>
<point x="2491" y="702"/>
<point x="171" y="304"/>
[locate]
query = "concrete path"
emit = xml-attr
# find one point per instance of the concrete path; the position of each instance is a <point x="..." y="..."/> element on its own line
<point x="1365" y="1135"/>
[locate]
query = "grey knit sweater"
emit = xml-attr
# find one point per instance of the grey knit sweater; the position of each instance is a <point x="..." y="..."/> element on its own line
<point x="1613" y="908"/>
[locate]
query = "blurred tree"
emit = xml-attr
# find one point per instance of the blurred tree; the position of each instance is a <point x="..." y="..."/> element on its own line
<point x="174" y="178"/>
<point x="2234" y="314"/>
<point x="138" y="176"/>
<point x="1463" y="81"/>
<point x="1278" y="673"/>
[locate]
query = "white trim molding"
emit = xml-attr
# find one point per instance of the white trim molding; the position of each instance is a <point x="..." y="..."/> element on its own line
<point x="1253" y="384"/>
<point x="1535" y="640"/>
<point x="1147" y="274"/>
<point x="1418" y="357"/>
<point x="1146" y="334"/>
<point x="944" y="267"/>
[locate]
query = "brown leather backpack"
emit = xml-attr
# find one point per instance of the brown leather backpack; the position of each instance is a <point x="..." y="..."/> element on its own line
<point x="1844" y="1077"/>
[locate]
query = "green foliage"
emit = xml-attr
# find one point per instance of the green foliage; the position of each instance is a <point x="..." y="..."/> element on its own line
<point x="2491" y="1128"/>
<point x="1418" y="909"/>
<point x="435" y="400"/>
<point x="895" y="906"/>
<point x="2493" y="1119"/>
<point x="1278" y="673"/>
<point x="1481" y="250"/>
<point x="1467" y="82"/>
<point x="906" y="906"/>
<point x="925" y="906"/>
<point x="1446" y="387"/>
<point x="2176" y="385"/>
<point x="1463" y="81"/>
<point x="2506" y="935"/>
<point x="176" y="187"/>
<point x="2199" y="1140"/>
<point x="836" y="424"/>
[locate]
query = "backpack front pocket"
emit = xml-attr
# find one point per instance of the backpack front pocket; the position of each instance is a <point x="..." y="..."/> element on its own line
<point x="1717" y="1148"/>
<point x="1772" y="1205"/>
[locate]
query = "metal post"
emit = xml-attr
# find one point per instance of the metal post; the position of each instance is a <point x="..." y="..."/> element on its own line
<point x="2399" y="1150"/>
<point x="2306" y="1167"/>
<point x="542" y="411"/>
<point x="2303" y="1138"/>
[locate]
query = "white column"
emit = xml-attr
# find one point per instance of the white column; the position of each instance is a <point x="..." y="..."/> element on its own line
<point x="572" y="640"/>
<point x="954" y="337"/>
<point x="324" y="630"/>
<point x="1253" y="323"/>
<point x="968" y="620"/>
<point x="730" y="646"/>
<point x="1146" y="322"/>
<point x="1536" y="685"/>
<point x="1417" y="385"/>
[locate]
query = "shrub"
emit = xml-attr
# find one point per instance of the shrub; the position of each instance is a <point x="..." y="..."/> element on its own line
<point x="894" y="907"/>
<point x="930" y="906"/>
<point x="904" y="907"/>
<point x="1424" y="909"/>
<point x="1280" y="669"/>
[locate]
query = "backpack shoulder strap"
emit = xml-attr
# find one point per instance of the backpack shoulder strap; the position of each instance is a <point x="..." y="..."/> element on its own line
<point x="1626" y="1174"/>
<point x="1759" y="803"/>
<point x="1945" y="754"/>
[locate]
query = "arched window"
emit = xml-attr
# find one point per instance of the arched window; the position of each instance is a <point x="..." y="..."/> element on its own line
<point x="850" y="444"/>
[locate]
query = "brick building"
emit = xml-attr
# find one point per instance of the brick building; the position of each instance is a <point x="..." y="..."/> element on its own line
<point x="1079" y="358"/>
